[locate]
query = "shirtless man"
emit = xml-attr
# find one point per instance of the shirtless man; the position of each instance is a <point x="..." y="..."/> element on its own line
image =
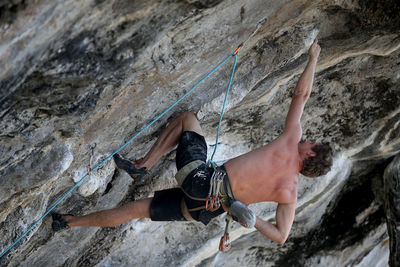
<point x="269" y="173"/>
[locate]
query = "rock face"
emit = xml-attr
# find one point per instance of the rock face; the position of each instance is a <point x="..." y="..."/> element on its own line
<point x="392" y="209"/>
<point x="82" y="74"/>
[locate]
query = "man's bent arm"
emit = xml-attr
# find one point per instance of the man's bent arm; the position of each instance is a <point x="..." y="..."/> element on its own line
<point x="278" y="232"/>
<point x="301" y="93"/>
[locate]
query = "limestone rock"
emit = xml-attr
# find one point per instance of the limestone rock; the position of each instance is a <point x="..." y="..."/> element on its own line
<point x="392" y="208"/>
<point x="78" y="74"/>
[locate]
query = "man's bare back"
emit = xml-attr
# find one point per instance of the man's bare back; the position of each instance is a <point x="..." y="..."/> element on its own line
<point x="269" y="173"/>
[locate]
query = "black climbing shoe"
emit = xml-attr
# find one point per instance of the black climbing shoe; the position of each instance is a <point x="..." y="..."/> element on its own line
<point x="58" y="223"/>
<point x="129" y="167"/>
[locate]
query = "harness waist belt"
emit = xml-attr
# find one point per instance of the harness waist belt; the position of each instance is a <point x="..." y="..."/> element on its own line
<point x="225" y="192"/>
<point x="185" y="170"/>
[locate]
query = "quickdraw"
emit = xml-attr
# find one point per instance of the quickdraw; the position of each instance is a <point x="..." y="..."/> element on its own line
<point x="213" y="201"/>
<point x="88" y="167"/>
<point x="225" y="242"/>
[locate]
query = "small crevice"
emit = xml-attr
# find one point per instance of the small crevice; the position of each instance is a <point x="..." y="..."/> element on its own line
<point x="110" y="184"/>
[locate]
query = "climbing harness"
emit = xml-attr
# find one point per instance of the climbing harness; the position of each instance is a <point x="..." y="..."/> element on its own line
<point x="91" y="170"/>
<point x="220" y="192"/>
<point x="185" y="170"/>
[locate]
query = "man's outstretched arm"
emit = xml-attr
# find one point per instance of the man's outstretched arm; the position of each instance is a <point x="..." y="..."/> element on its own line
<point x="301" y="94"/>
<point x="278" y="232"/>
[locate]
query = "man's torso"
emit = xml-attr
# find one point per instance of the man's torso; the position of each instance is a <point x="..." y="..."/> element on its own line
<point x="269" y="173"/>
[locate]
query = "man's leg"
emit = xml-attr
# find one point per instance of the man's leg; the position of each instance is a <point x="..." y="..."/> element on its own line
<point x="169" y="138"/>
<point x="113" y="217"/>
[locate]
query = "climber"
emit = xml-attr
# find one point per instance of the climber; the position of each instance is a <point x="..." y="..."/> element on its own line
<point x="269" y="173"/>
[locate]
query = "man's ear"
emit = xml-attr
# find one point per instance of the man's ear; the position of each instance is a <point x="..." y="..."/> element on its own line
<point x="311" y="154"/>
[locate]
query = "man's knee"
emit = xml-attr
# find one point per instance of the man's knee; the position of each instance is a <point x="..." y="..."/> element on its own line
<point x="138" y="209"/>
<point x="188" y="115"/>
<point x="190" y="122"/>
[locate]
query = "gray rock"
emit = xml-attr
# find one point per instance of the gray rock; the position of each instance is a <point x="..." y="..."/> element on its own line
<point x="392" y="209"/>
<point x="78" y="73"/>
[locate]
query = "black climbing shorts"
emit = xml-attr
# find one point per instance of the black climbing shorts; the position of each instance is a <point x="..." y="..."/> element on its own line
<point x="166" y="204"/>
<point x="192" y="146"/>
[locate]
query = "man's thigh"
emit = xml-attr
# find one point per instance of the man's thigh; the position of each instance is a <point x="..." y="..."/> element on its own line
<point x="192" y="146"/>
<point x="166" y="205"/>
<point x="136" y="209"/>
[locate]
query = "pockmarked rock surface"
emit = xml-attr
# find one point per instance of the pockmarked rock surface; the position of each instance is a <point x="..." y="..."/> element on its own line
<point x="392" y="208"/>
<point x="80" y="78"/>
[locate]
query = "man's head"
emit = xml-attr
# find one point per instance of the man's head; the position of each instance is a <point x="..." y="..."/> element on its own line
<point x="318" y="160"/>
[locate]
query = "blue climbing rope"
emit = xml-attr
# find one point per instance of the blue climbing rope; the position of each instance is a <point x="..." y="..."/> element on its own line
<point x="134" y="137"/>
<point x="223" y="107"/>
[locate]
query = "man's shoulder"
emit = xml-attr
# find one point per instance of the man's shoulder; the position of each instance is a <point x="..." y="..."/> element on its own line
<point x="293" y="134"/>
<point x="288" y="196"/>
<point x="286" y="140"/>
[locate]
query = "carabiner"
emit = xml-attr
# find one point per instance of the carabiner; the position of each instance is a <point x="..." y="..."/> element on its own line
<point x="225" y="243"/>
